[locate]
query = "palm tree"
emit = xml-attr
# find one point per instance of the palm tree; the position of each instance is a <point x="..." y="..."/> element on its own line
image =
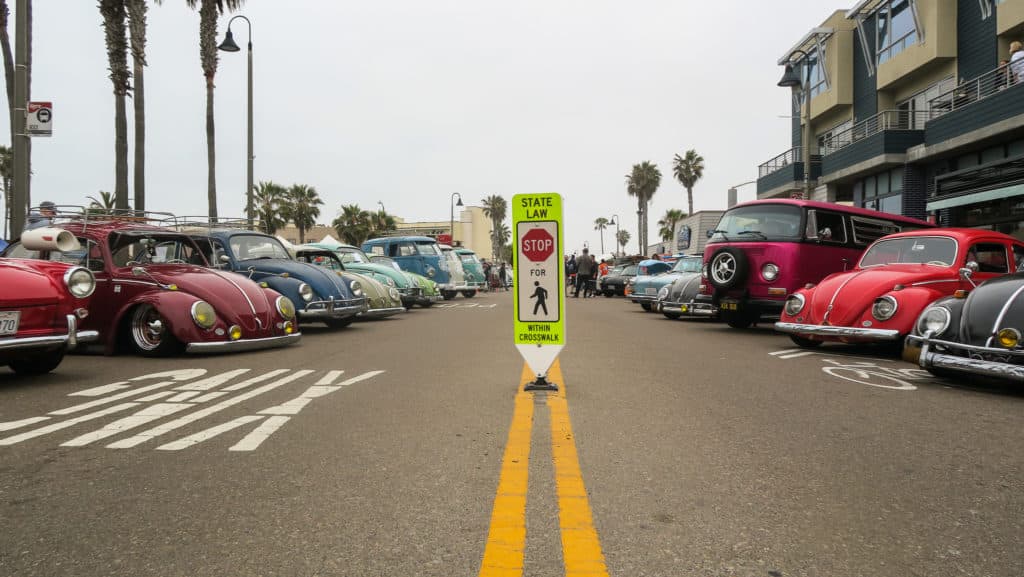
<point x="303" y="208"/>
<point x="642" y="183"/>
<point x="115" y="29"/>
<point x="5" y="46"/>
<point x="352" y="225"/>
<point x="105" y="204"/>
<point x="500" y="237"/>
<point x="381" y="223"/>
<point x="209" y="10"/>
<point x="270" y="203"/>
<point x="495" y="208"/>
<point x="6" y="177"/>
<point x="688" y="170"/>
<point x="622" y="237"/>
<point x="137" y="32"/>
<point x="668" y="223"/>
<point x="600" y="224"/>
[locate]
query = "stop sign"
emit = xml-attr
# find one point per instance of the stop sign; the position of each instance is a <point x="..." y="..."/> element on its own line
<point x="538" y="244"/>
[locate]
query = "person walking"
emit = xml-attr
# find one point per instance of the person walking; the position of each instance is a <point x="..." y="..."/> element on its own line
<point x="503" y="276"/>
<point x="584" y="272"/>
<point x="570" y="272"/>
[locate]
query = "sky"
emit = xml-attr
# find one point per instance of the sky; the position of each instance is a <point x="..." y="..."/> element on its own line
<point x="405" y="102"/>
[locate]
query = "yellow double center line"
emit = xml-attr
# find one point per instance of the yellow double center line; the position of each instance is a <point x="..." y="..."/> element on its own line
<point x="506" y="542"/>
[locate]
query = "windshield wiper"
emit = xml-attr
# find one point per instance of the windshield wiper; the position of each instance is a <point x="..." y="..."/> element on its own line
<point x="721" y="232"/>
<point x="763" y="235"/>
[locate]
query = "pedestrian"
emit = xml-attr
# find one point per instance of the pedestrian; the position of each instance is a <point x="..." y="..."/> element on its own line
<point x="570" y="271"/>
<point x="503" y="276"/>
<point x="42" y="217"/>
<point x="584" y="272"/>
<point x="1017" y="60"/>
<point x="487" y="273"/>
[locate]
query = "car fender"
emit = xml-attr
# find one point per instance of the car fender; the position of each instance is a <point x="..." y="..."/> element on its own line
<point x="911" y="302"/>
<point x="174" y="306"/>
<point x="287" y="286"/>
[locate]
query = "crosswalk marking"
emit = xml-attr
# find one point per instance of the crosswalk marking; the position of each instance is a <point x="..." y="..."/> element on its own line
<point x="65" y="424"/>
<point x="110" y="399"/>
<point x="213" y="382"/>
<point x="142" y="417"/>
<point x="9" y="426"/>
<point x="102" y="390"/>
<point x="253" y="440"/>
<point x="207" y="434"/>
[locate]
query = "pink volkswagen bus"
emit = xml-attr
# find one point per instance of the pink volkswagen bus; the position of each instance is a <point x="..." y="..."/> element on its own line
<point x="761" y="251"/>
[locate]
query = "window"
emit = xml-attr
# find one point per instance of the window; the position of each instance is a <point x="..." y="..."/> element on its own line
<point x="836" y="137"/>
<point x="868" y="230"/>
<point x="883" y="192"/>
<point x="991" y="257"/>
<point x="1018" y="258"/>
<point x="932" y="250"/>
<point x="826" y="226"/>
<point x="896" y="28"/>
<point x="403" y="249"/>
<point x="816" y="61"/>
<point x="921" y="107"/>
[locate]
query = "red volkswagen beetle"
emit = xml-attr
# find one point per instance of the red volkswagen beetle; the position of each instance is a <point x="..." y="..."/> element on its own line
<point x="42" y="305"/>
<point x="897" y="277"/>
<point x="155" y="295"/>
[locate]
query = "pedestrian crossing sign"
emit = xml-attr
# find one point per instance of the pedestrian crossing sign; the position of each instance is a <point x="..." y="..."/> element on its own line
<point x="539" y="297"/>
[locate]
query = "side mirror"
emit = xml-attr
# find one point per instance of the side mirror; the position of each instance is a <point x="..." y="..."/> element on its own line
<point x="972" y="266"/>
<point x="968" y="271"/>
<point x="711" y="233"/>
<point x="224" y="259"/>
<point x="138" y="271"/>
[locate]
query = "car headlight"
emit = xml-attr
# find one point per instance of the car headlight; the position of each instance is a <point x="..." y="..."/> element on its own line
<point x="704" y="271"/>
<point x="80" y="282"/>
<point x="770" y="271"/>
<point x="935" y="320"/>
<point x="1008" y="338"/>
<point x="285" y="307"/>
<point x="394" y="293"/>
<point x="204" y="315"/>
<point x="306" y="292"/>
<point x="663" y="293"/>
<point x="356" y="288"/>
<point x="431" y="271"/>
<point x="389" y="281"/>
<point x="795" y="304"/>
<point x="884" y="308"/>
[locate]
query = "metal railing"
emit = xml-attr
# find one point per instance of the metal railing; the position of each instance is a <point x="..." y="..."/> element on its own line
<point x="884" y="120"/>
<point x="971" y="91"/>
<point x="781" y="161"/>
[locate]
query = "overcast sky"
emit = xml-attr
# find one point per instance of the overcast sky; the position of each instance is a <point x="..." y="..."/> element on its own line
<point x="407" y="101"/>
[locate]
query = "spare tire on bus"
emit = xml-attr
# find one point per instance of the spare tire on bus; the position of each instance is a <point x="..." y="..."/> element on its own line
<point x="727" y="268"/>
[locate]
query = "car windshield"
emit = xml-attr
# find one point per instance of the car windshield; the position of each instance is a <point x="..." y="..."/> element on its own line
<point x="135" y="249"/>
<point x="687" y="265"/>
<point x="933" y="250"/>
<point x="253" y="246"/>
<point x="350" y="255"/>
<point x="325" y="259"/>
<point x="469" y="258"/>
<point x="759" y="222"/>
<point x="385" y="261"/>
<point x="629" y="270"/>
<point x="428" y="248"/>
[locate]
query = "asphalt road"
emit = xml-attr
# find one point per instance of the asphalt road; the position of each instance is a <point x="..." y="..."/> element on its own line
<point x="672" y="448"/>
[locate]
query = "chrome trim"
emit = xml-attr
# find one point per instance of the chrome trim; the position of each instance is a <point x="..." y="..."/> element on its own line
<point x="828" y="310"/>
<point x="252" y="307"/>
<point x="895" y="307"/>
<point x="693" y="309"/>
<point x="69" y="340"/>
<point x="67" y="281"/>
<point x="928" y="282"/>
<point x="834" y="331"/>
<point x="333" y="308"/>
<point x="1002" y="314"/>
<point x="243" y="344"/>
<point x="929" y="359"/>
<point x="971" y="348"/>
<point x="379" y="313"/>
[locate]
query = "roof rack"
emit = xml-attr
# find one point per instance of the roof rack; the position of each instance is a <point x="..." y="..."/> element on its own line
<point x="86" y="215"/>
<point x="205" y="223"/>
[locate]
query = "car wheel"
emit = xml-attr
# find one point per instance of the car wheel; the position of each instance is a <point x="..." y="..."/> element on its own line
<point x="338" y="323"/>
<point x="804" y="343"/>
<point x="149" y="333"/>
<point x="737" y="320"/>
<point x="727" y="268"/>
<point x="673" y="316"/>
<point x="449" y="295"/>
<point x="38" y="365"/>
<point x="646" y="306"/>
<point x="469" y="294"/>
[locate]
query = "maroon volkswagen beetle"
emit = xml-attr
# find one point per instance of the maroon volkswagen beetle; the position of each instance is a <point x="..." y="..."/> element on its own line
<point x="41" y="307"/>
<point x="155" y="295"/>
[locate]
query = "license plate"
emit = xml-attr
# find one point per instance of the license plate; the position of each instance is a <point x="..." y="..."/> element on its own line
<point x="729" y="306"/>
<point x="652" y="291"/>
<point x="9" y="322"/>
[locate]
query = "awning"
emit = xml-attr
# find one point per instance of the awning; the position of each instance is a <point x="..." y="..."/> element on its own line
<point x="863" y="8"/>
<point x="808" y="43"/>
<point x="995" y="194"/>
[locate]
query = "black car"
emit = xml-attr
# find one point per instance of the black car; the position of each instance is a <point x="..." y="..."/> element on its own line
<point x="977" y="333"/>
<point x="614" y="283"/>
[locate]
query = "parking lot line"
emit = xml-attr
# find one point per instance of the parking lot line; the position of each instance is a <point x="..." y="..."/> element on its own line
<point x="506" y="539"/>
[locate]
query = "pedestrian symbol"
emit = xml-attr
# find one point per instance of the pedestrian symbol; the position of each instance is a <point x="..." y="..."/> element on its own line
<point x="541" y="295"/>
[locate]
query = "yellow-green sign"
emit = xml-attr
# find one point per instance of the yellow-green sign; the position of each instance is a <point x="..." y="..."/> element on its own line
<point x="539" y="298"/>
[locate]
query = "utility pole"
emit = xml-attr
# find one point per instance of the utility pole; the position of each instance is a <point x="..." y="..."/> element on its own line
<point x="19" y="208"/>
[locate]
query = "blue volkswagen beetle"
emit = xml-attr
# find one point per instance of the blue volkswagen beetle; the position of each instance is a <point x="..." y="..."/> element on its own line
<point x="319" y="294"/>
<point x="419" y="254"/>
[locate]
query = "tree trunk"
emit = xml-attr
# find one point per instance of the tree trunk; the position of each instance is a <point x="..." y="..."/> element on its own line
<point x="140" y="137"/>
<point x="211" y="153"/>
<point x="302" y="235"/>
<point x="5" y="46"/>
<point x="28" y="92"/>
<point x="689" y="198"/>
<point x="120" y="152"/>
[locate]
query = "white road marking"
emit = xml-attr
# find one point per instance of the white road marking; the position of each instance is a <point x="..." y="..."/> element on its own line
<point x="146" y="415"/>
<point x="207" y="434"/>
<point x="777" y="353"/>
<point x="490" y="306"/>
<point x="195" y="416"/>
<point x="359" y="378"/>
<point x="155" y="396"/>
<point x="257" y="379"/>
<point x="212" y="382"/>
<point x="10" y="425"/>
<point x="330" y="377"/>
<point x="254" y="439"/>
<point x="65" y="424"/>
<point x="178" y="375"/>
<point x="319" y="391"/>
<point x="291" y="407"/>
<point x="182" y="396"/>
<point x="101" y="390"/>
<point x="796" y="355"/>
<point x="209" y="396"/>
<point x="111" y="399"/>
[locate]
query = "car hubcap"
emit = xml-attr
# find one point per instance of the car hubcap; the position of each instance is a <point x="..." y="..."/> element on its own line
<point x="723" y="268"/>
<point x="148" y="328"/>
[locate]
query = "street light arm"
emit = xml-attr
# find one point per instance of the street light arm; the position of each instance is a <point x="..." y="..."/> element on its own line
<point x="247" y="21"/>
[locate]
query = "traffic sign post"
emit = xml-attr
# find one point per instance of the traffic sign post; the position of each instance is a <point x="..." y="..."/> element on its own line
<point x="539" y="298"/>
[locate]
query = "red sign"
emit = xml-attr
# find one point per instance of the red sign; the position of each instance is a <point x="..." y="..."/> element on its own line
<point x="444" y="239"/>
<point x="538" y="245"/>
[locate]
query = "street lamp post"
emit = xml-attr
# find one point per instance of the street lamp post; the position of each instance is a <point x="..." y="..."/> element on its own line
<point x="451" y="229"/>
<point x="790" y="79"/>
<point x="616" y="223"/>
<point x="731" y="198"/>
<point x="228" y="45"/>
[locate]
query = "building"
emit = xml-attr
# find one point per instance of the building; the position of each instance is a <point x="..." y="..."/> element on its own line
<point x="315" y="234"/>
<point x="690" y="234"/>
<point x="910" y="112"/>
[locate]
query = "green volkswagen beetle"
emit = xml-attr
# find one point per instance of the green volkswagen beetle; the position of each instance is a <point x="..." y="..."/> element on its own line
<point x="355" y="260"/>
<point x="382" y="298"/>
<point x="430" y="293"/>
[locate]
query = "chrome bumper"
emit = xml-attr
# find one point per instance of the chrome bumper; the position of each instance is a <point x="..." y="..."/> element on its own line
<point x="430" y="298"/>
<point x="1002" y="370"/>
<point x="644" y="298"/>
<point x="67" y="341"/>
<point x="692" y="309"/>
<point x="381" y="313"/>
<point x="242" y="345"/>
<point x="838" y="332"/>
<point x="333" y="309"/>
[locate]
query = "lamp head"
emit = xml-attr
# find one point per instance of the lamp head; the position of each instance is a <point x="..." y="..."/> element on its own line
<point x="228" y="45"/>
<point x="612" y="222"/>
<point x="790" y="78"/>
<point x="459" y="203"/>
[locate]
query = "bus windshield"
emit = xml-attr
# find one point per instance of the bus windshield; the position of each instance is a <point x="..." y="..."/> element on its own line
<point x="759" y="222"/>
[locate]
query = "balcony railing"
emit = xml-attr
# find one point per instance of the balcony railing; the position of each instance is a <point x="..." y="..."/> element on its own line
<point x="988" y="84"/>
<point x="785" y="159"/>
<point x="884" y="120"/>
